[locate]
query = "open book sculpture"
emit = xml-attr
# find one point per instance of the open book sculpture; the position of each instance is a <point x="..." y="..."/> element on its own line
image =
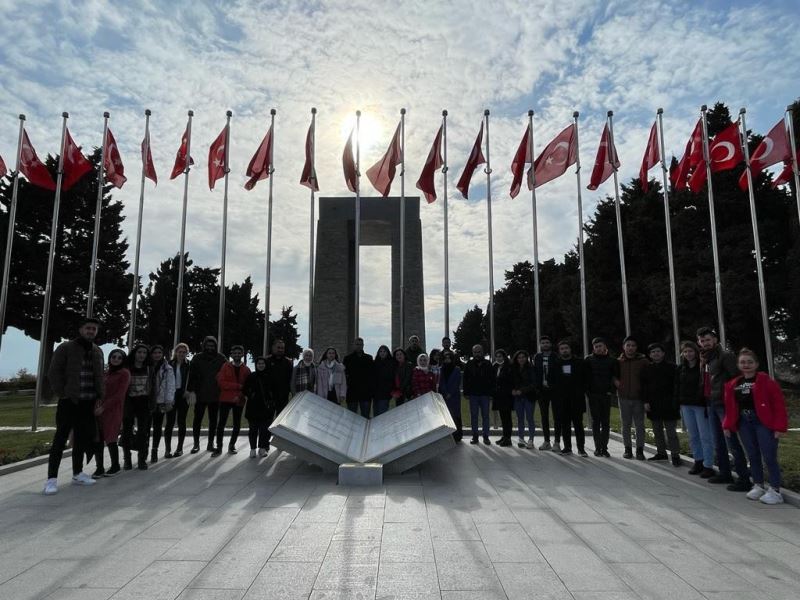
<point x="328" y="435"/>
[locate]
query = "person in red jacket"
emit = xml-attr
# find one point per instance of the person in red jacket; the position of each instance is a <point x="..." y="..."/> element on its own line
<point x="109" y="413"/>
<point x="230" y="379"/>
<point x="755" y="407"/>
<point x="423" y="380"/>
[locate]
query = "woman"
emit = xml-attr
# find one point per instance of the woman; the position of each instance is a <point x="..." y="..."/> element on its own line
<point x="423" y="380"/>
<point x="382" y="380"/>
<point x="755" y="407"/>
<point x="137" y="407"/>
<point x="259" y="409"/>
<point x="109" y="413"/>
<point x="403" y="371"/>
<point x="331" y="382"/>
<point x="304" y="374"/>
<point x="523" y="391"/>
<point x="230" y="379"/>
<point x="502" y="399"/>
<point x="163" y="395"/>
<point x="450" y="389"/>
<point x="180" y="369"/>
<point x="689" y="395"/>
<point x="435" y="362"/>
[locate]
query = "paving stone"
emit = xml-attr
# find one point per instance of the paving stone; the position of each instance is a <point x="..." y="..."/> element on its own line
<point x="40" y="580"/>
<point x="610" y="544"/>
<point x="395" y="579"/>
<point x="406" y="542"/>
<point x="508" y="542"/>
<point x="580" y="569"/>
<point x="284" y="581"/>
<point x="82" y="594"/>
<point x="208" y="594"/>
<point x="304" y="542"/>
<point x="162" y="580"/>
<point x="531" y="582"/>
<point x="467" y="575"/>
<point x="655" y="582"/>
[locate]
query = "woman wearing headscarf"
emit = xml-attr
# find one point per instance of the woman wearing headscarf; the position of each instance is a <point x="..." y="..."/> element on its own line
<point x="109" y="412"/>
<point x="331" y="381"/>
<point x="259" y="410"/>
<point x="304" y="374"/>
<point x="423" y="380"/>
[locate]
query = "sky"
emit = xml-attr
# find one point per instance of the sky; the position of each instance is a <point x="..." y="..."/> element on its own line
<point x="465" y="56"/>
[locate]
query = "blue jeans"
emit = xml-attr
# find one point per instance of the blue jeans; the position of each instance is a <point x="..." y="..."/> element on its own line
<point x="524" y="408"/>
<point x="365" y="405"/>
<point x="479" y="403"/>
<point x="381" y="405"/>
<point x="723" y="443"/>
<point x="760" y="442"/>
<point x="701" y="440"/>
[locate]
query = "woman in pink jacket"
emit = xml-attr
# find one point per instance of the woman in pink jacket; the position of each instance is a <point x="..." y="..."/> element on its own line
<point x="754" y="406"/>
<point x="109" y="413"/>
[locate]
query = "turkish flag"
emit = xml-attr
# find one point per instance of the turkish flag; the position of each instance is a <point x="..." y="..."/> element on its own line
<point x="309" y="176"/>
<point x="724" y="152"/>
<point x="652" y="155"/>
<point x="786" y="175"/>
<point x="112" y="162"/>
<point x="180" y="157"/>
<point x="692" y="157"/>
<point x="774" y="148"/>
<point x="260" y="165"/>
<point x="381" y="174"/>
<point x="521" y="158"/>
<point x="606" y="161"/>
<point x="217" y="161"/>
<point x="147" y="159"/>
<point x="32" y="167"/>
<point x="75" y="163"/>
<point x="434" y="162"/>
<point x="349" y="164"/>
<point x="556" y="157"/>
<point x="3" y="169"/>
<point x="475" y="158"/>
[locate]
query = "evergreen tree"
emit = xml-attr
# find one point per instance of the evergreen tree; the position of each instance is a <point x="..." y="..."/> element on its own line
<point x="470" y="331"/>
<point x="285" y="329"/>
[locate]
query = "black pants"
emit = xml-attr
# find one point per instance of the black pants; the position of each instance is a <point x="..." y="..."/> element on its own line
<point x="158" y="427"/>
<point x="334" y="398"/>
<point x="258" y="433"/>
<point x="600" y="407"/>
<point x="224" y="410"/>
<point x="177" y="414"/>
<point x="77" y="417"/>
<point x="137" y="409"/>
<point x="99" y="452"/>
<point x="545" y="400"/>
<point x="572" y="417"/>
<point x="505" y="422"/>
<point x="199" y="413"/>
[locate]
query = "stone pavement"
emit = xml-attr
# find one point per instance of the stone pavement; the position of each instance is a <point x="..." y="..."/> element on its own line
<point x="476" y="523"/>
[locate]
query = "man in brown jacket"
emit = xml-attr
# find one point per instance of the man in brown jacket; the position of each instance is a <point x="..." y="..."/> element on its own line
<point x="76" y="376"/>
<point x="629" y="393"/>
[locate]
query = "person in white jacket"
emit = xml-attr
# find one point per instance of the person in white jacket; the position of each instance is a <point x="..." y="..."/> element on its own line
<point x="163" y="391"/>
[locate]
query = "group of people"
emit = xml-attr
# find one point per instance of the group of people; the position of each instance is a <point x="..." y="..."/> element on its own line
<point x="727" y="405"/>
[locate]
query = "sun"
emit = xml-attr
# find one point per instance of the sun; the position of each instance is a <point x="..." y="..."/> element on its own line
<point x="370" y="132"/>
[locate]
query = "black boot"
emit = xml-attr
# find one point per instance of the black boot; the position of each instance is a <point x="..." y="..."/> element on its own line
<point x="153" y="456"/>
<point x="628" y="452"/>
<point x="99" y="455"/>
<point x="128" y="464"/>
<point x="697" y="468"/>
<point x="143" y="461"/>
<point x="113" y="451"/>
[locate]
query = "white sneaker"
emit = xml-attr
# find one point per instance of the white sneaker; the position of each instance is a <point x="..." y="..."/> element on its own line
<point x="529" y="445"/>
<point x="772" y="496"/>
<point x="51" y="487"/>
<point x="82" y="479"/>
<point x="520" y="442"/>
<point x="545" y="446"/>
<point x="252" y="453"/>
<point x="556" y="447"/>
<point x="262" y="452"/>
<point x="756" y="493"/>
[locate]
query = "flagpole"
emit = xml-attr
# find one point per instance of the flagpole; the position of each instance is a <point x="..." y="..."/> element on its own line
<point x="446" y="251"/>
<point x="612" y="149"/>
<point x="402" y="225"/>
<point x="97" y="216"/>
<point x="793" y="152"/>
<point x="135" y="287"/>
<point x="182" y="260"/>
<point x="714" y="251"/>
<point x="311" y="234"/>
<point x="221" y="318"/>
<point x="48" y="288"/>
<point x="12" y="218"/>
<point x="762" y="293"/>
<point x="582" y="264"/>
<point x="269" y="227"/>
<point x="357" y="223"/>
<point x="672" y="287"/>
<point x="536" y="307"/>
<point x="488" y="171"/>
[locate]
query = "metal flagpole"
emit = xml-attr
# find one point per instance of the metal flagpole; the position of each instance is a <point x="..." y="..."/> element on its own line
<point x="357" y="223"/>
<point x="612" y="149"/>
<point x="672" y="288"/>
<point x="221" y="318"/>
<point x="311" y="235"/>
<point x="444" y="208"/>
<point x="762" y="293"/>
<point x="12" y="218"/>
<point x="582" y="264"/>
<point x="269" y="230"/>
<point x="715" y="252"/>
<point x="402" y="225"/>
<point x="97" y="216"/>
<point x="488" y="171"/>
<point x="135" y="290"/>
<point x="48" y="287"/>
<point x="536" y="308"/>
<point x="182" y="260"/>
<point x="793" y="152"/>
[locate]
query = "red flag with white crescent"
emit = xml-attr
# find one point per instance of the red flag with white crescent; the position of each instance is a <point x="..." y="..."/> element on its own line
<point x="261" y="163"/>
<point x="774" y="148"/>
<point x="3" y="169"/>
<point x="724" y="152"/>
<point x="180" y="157"/>
<point x="308" y="177"/>
<point x="147" y="159"/>
<point x="605" y="162"/>
<point x="217" y="164"/>
<point x="787" y="173"/>
<point x="433" y="163"/>
<point x="112" y="162"/>
<point x="652" y="154"/>
<point x="556" y="157"/>
<point x="692" y="157"/>
<point x="349" y="164"/>
<point x="34" y="169"/>
<point x="75" y="165"/>
<point x="521" y="157"/>
<point x="475" y="158"/>
<point x="381" y="174"/>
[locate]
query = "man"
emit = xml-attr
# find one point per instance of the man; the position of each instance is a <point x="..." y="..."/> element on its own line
<point x="543" y="379"/>
<point x="661" y="404"/>
<point x="358" y="367"/>
<point x="603" y="370"/>
<point x="203" y="382"/>
<point x="478" y="388"/>
<point x="717" y="366"/>
<point x="629" y="393"/>
<point x="231" y="378"/>
<point x="76" y="376"/>
<point x="570" y="382"/>
<point x="414" y="350"/>
<point x="280" y="375"/>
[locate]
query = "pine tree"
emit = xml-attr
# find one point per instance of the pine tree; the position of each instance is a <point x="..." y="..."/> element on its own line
<point x="470" y="331"/>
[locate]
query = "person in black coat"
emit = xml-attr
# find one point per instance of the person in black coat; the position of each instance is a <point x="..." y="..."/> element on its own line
<point x="260" y="409"/>
<point x="571" y="382"/>
<point x="603" y="370"/>
<point x="358" y="367"/>
<point x="383" y="371"/>
<point x="543" y="377"/>
<point x="660" y="404"/>
<point x="203" y="382"/>
<point x="280" y="375"/>
<point x="502" y="399"/>
<point x="524" y="393"/>
<point x="689" y="394"/>
<point x="403" y="372"/>
<point x="478" y="388"/>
